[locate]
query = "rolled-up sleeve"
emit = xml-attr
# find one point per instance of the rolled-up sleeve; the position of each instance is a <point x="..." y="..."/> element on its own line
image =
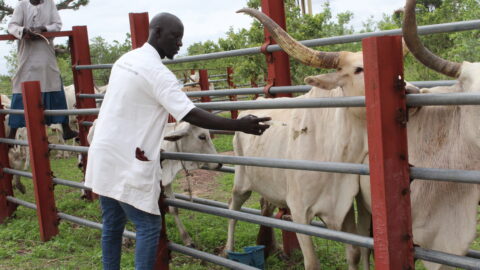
<point x="15" y="26"/>
<point x="167" y="91"/>
<point x="55" y="20"/>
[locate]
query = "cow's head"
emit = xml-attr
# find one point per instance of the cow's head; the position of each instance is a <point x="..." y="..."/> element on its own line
<point x="349" y="65"/>
<point x="468" y="74"/>
<point x="192" y="139"/>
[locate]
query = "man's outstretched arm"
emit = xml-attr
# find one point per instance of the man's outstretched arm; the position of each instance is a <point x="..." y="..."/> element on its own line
<point x="249" y="124"/>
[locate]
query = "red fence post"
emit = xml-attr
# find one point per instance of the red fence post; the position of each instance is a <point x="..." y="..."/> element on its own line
<point x="388" y="152"/>
<point x="278" y="75"/>
<point x="204" y="84"/>
<point x="139" y="24"/>
<point x="163" y="254"/>
<point x="231" y="84"/>
<point x="6" y="208"/>
<point x="39" y="160"/>
<point x="83" y="81"/>
<point x="278" y="62"/>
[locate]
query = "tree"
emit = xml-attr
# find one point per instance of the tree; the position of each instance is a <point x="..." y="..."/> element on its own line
<point x="300" y="26"/>
<point x="456" y="46"/>
<point x="6" y="10"/>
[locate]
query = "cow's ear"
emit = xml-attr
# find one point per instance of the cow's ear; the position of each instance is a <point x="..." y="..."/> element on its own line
<point x="176" y="135"/>
<point x="327" y="81"/>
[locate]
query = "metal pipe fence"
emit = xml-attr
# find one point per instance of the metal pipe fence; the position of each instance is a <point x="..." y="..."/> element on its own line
<point x="274" y="90"/>
<point x="422" y="30"/>
<point x="362" y="169"/>
<point x="348" y="238"/>
<point x="131" y="235"/>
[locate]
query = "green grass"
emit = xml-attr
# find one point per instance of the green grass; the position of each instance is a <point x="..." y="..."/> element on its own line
<point x="77" y="247"/>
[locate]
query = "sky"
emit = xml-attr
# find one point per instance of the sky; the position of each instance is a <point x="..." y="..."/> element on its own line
<point x="203" y="19"/>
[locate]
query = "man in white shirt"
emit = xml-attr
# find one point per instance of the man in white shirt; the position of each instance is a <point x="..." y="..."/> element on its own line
<point x="124" y="156"/>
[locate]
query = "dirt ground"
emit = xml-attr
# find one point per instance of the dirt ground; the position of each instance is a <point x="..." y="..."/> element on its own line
<point x="202" y="182"/>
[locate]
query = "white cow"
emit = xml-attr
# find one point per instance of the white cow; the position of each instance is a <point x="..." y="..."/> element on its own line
<point x="320" y="134"/>
<point x="181" y="137"/>
<point x="444" y="214"/>
<point x="17" y="155"/>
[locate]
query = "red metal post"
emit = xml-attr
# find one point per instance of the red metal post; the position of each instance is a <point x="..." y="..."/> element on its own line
<point x="139" y="24"/>
<point x="6" y="208"/>
<point x="39" y="160"/>
<point x="278" y="75"/>
<point x="388" y="152"/>
<point x="231" y="84"/>
<point x="254" y="85"/>
<point x="204" y="84"/>
<point x="163" y="253"/>
<point x="83" y="81"/>
<point x="278" y="62"/>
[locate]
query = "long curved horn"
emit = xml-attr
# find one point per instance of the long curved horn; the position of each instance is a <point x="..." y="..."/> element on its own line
<point x="416" y="47"/>
<point x="292" y="47"/>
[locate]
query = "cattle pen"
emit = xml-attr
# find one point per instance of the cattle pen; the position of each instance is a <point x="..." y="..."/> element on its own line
<point x="383" y="103"/>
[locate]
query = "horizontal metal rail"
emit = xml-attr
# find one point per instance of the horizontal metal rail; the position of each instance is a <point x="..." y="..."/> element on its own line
<point x="274" y="90"/>
<point x="216" y="81"/>
<point x="422" y="30"/>
<point x="217" y="75"/>
<point x="335" y="167"/>
<point x="14" y="142"/>
<point x="55" y="180"/>
<point x="63" y="147"/>
<point x="191" y="84"/>
<point x="131" y="235"/>
<point x="348" y="238"/>
<point x="461" y="176"/>
<point x="45" y="34"/>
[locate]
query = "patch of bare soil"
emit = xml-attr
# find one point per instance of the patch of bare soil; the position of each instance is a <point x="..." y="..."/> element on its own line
<point x="202" y="182"/>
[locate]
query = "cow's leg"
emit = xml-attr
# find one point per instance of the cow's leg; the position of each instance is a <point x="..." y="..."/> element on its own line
<point x="310" y="259"/>
<point x="363" y="228"/>
<point x="187" y="240"/>
<point x="352" y="252"/>
<point x="266" y="235"/>
<point x="238" y="199"/>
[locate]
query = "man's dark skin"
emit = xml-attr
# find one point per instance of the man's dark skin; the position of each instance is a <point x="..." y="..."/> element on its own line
<point x="32" y="33"/>
<point x="166" y="33"/>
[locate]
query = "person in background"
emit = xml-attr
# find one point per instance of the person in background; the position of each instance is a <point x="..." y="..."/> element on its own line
<point x="37" y="61"/>
<point x="124" y="155"/>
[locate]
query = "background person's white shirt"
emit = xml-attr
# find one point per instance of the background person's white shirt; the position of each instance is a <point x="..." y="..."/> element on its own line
<point x="140" y="95"/>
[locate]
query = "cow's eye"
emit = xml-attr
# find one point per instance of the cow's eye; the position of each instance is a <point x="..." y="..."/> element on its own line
<point x="202" y="137"/>
<point x="358" y="70"/>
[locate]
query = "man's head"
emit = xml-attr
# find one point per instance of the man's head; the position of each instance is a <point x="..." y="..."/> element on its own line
<point x="165" y="34"/>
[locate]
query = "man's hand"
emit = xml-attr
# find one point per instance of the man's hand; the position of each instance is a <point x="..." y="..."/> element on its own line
<point x="251" y="124"/>
<point x="38" y="29"/>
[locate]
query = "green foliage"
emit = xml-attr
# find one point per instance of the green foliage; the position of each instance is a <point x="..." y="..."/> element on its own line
<point x="103" y="52"/>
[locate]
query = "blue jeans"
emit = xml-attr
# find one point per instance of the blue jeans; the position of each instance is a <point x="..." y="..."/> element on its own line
<point x="114" y="216"/>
